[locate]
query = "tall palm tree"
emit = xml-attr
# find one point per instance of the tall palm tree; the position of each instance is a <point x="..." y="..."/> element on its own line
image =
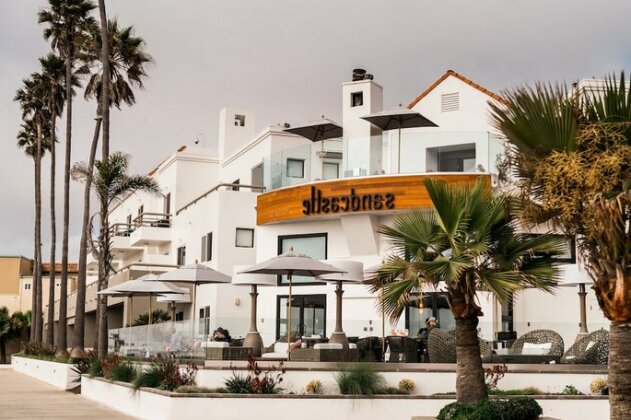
<point x="54" y="78"/>
<point x="466" y="243"/>
<point x="68" y="24"/>
<point x="34" y="109"/>
<point x="111" y="182"/>
<point x="569" y="156"/>
<point x="128" y="62"/>
<point x="12" y="328"/>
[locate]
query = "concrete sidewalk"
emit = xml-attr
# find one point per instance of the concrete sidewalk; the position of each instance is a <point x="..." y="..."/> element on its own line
<point x="22" y="397"/>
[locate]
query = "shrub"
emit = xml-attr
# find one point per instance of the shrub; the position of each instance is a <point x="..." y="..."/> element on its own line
<point x="493" y="375"/>
<point x="360" y="379"/>
<point x="407" y="385"/>
<point x="165" y="373"/>
<point x="257" y="380"/>
<point x="571" y="390"/>
<point x="238" y="384"/>
<point x="110" y="362"/>
<point x="95" y="368"/>
<point x="192" y="389"/>
<point x="149" y="378"/>
<point x="313" y="387"/>
<point x="531" y="390"/>
<point x="513" y="409"/>
<point x="599" y="386"/>
<point x="39" y="350"/>
<point x="123" y="372"/>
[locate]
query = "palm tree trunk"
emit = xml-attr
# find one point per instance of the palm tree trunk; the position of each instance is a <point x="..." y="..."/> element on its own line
<point x="104" y="269"/>
<point x="50" y="332"/>
<point x="3" y="351"/>
<point x="78" y="339"/>
<point x="38" y="233"/>
<point x="620" y="370"/>
<point x="105" y="81"/>
<point x="62" y="342"/>
<point x="470" y="386"/>
<point x="34" y="278"/>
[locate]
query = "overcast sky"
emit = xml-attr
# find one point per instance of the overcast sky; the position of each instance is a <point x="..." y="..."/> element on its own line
<point x="285" y="60"/>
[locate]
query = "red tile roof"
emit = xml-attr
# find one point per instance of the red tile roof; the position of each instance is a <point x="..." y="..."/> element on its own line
<point x="464" y="79"/>
<point x="154" y="170"/>
<point x="73" y="268"/>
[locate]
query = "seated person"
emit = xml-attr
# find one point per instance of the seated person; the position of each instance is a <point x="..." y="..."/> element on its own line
<point x="221" y="334"/>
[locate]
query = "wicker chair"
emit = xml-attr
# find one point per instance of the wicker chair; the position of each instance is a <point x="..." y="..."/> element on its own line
<point x="403" y="349"/>
<point x="590" y="350"/>
<point x="539" y="337"/>
<point x="441" y="346"/>
<point x="369" y="349"/>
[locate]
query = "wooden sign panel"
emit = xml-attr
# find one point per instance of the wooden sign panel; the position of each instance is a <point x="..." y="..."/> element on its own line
<point x="351" y="195"/>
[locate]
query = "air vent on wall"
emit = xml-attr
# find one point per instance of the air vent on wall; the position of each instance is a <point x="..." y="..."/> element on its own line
<point x="450" y="102"/>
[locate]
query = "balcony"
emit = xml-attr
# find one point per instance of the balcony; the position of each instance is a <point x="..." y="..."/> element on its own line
<point x="120" y="239"/>
<point x="151" y="229"/>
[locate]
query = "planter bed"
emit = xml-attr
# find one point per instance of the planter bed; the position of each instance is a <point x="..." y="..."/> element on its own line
<point x="57" y="374"/>
<point x="155" y="404"/>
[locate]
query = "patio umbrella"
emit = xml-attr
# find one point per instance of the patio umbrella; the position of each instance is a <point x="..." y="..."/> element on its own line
<point x="195" y="274"/>
<point x="253" y="338"/>
<point x="322" y="129"/>
<point x="146" y="285"/>
<point x="355" y="274"/>
<point x="173" y="300"/>
<point x="292" y="263"/>
<point x="397" y="119"/>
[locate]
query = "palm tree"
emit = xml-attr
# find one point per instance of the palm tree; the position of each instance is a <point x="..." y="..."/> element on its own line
<point x="569" y="158"/>
<point x="157" y="316"/>
<point x="111" y="182"/>
<point x="12" y="328"/>
<point x="68" y="24"/>
<point x="54" y="77"/>
<point x="466" y="243"/>
<point x="128" y="63"/>
<point x="31" y="138"/>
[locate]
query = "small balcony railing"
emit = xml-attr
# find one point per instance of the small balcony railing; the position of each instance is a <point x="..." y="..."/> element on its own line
<point x="121" y="229"/>
<point x="161" y="220"/>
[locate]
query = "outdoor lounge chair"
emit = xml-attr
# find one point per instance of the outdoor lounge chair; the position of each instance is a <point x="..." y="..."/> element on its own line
<point x="441" y="347"/>
<point x="592" y="349"/>
<point x="369" y="349"/>
<point x="403" y="349"/>
<point x="543" y="342"/>
<point x="279" y="351"/>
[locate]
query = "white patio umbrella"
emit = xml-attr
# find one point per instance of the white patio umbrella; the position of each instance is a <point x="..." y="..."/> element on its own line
<point x="195" y="274"/>
<point x="292" y="263"/>
<point x="396" y="119"/>
<point x="354" y="274"/>
<point x="253" y="338"/>
<point x="142" y="286"/>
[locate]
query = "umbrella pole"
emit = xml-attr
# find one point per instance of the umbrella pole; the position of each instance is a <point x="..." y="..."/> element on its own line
<point x="149" y="327"/>
<point x="131" y="308"/>
<point x="289" y="317"/>
<point x="383" y="329"/>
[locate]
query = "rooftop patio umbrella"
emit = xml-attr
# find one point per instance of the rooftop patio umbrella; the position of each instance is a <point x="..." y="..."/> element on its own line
<point x="195" y="274"/>
<point x="253" y="338"/>
<point x="142" y="286"/>
<point x="292" y="263"/>
<point x="354" y="274"/>
<point x="322" y="129"/>
<point x="396" y="119"/>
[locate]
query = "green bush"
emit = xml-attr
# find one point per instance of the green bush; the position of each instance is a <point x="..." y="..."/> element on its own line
<point x="123" y="372"/>
<point x="511" y="409"/>
<point x="571" y="390"/>
<point x="192" y="389"/>
<point x="149" y="378"/>
<point x="360" y="379"/>
<point x="238" y="384"/>
<point x="531" y="390"/>
<point x="95" y="368"/>
<point x="165" y="373"/>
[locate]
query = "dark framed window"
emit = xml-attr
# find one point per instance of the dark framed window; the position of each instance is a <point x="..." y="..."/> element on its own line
<point x="357" y="99"/>
<point x="179" y="316"/>
<point x="295" y="168"/>
<point x="181" y="255"/>
<point x="308" y="316"/>
<point x="167" y="204"/>
<point x="569" y="256"/>
<point x="204" y="320"/>
<point x="244" y="238"/>
<point x="207" y="247"/>
<point x="239" y="120"/>
<point x="314" y="245"/>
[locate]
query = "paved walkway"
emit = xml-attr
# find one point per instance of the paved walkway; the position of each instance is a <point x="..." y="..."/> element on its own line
<point x="22" y="397"/>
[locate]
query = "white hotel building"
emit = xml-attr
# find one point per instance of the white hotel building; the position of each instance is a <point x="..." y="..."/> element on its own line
<point x="244" y="204"/>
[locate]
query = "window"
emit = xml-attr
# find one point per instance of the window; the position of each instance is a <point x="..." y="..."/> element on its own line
<point x="239" y="120"/>
<point x="569" y="256"/>
<point x="167" y="204"/>
<point x="357" y="99"/>
<point x="450" y="102"/>
<point x="313" y="245"/>
<point x="244" y="238"/>
<point x="308" y="316"/>
<point x="330" y="170"/>
<point x="179" y="316"/>
<point x="456" y="158"/>
<point x="181" y="255"/>
<point x="204" y="320"/>
<point x="207" y="247"/>
<point x="432" y="304"/>
<point x="27" y="286"/>
<point x="295" y="168"/>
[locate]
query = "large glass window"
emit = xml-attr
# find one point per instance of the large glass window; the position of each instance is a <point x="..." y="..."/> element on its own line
<point x="244" y="238"/>
<point x="457" y="158"/>
<point x="295" y="168"/>
<point x="430" y="305"/>
<point x="330" y="170"/>
<point x="313" y="245"/>
<point x="308" y="316"/>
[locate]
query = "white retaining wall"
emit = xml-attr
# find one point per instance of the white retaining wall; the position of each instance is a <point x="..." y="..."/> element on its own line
<point x="156" y="406"/>
<point x="59" y="375"/>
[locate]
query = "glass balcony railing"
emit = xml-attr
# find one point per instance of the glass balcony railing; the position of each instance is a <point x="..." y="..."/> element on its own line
<point x="386" y="154"/>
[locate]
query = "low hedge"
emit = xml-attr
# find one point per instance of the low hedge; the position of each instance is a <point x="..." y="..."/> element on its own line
<point x="509" y="409"/>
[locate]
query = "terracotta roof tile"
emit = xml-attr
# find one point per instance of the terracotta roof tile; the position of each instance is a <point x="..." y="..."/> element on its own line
<point x="464" y="79"/>
<point x="154" y="170"/>
<point x="73" y="268"/>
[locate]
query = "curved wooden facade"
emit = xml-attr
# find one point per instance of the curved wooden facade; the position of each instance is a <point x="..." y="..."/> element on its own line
<point x="351" y="195"/>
